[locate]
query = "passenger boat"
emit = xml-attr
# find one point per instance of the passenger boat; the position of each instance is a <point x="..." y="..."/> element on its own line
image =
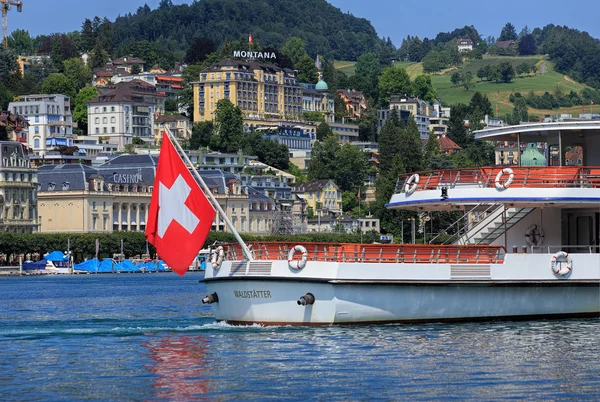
<point x="527" y="247"/>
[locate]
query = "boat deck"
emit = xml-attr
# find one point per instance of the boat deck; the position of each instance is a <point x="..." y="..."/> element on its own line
<point x="373" y="253"/>
<point x="524" y="177"/>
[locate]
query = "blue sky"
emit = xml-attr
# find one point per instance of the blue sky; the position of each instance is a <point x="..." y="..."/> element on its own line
<point x="391" y="18"/>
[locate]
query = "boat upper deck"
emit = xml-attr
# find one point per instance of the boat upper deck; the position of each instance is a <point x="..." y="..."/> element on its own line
<point x="524" y="177"/>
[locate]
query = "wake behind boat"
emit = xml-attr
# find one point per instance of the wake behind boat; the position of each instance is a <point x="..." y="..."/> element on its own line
<point x="527" y="247"/>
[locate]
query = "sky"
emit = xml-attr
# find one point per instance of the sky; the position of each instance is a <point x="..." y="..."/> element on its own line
<point x="391" y="18"/>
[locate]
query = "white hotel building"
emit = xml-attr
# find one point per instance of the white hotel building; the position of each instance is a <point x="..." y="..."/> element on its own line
<point x="50" y="120"/>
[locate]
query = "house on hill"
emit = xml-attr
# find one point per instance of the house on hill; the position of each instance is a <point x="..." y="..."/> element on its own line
<point x="505" y="44"/>
<point x="464" y="45"/>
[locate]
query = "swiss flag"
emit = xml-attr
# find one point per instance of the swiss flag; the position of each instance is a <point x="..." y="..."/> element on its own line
<point x="249" y="38"/>
<point x="180" y="215"/>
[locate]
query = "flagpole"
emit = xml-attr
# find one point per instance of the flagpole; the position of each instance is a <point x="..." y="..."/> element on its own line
<point x="212" y="198"/>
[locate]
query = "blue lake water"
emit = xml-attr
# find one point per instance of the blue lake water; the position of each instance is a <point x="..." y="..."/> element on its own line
<point x="148" y="337"/>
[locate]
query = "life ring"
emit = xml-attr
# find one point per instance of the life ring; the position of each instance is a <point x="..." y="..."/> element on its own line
<point x="534" y="236"/>
<point x="297" y="264"/>
<point x="503" y="186"/>
<point x="411" y="184"/>
<point x="217" y="257"/>
<point x="563" y="267"/>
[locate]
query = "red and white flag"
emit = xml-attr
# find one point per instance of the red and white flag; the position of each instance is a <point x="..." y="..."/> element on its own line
<point x="180" y="216"/>
<point x="249" y="38"/>
<point x="591" y="102"/>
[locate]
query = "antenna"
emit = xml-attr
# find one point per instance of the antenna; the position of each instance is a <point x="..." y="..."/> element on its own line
<point x="5" y="7"/>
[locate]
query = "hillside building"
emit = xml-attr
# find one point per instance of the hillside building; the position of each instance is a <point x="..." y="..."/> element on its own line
<point x="180" y="126"/>
<point x="464" y="45"/>
<point x="49" y="119"/>
<point x="123" y="111"/>
<point x="18" y="189"/>
<point x="262" y="91"/>
<point x="355" y="102"/>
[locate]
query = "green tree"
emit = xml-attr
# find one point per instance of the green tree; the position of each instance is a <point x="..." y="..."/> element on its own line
<point x="137" y="141"/>
<point x="519" y="112"/>
<point x="467" y="80"/>
<point x="456" y="78"/>
<point x="201" y="134"/>
<point x="88" y="37"/>
<point x="366" y="75"/>
<point x="77" y="72"/>
<point x="411" y="153"/>
<point x="508" y="32"/>
<point x="481" y="102"/>
<point x="457" y="131"/>
<point x="98" y="57"/>
<point x="295" y="49"/>
<point x="389" y="142"/>
<point x="307" y="72"/>
<point x="58" y="83"/>
<point x="171" y="106"/>
<point x="527" y="45"/>
<point x="230" y="127"/>
<point x="80" y="106"/>
<point x="423" y="88"/>
<point x="323" y="131"/>
<point x="393" y="80"/>
<point x="367" y="125"/>
<point x="432" y="149"/>
<point x="350" y="167"/>
<point x="506" y="71"/>
<point x="323" y="157"/>
<point x="199" y="49"/>
<point x="21" y="42"/>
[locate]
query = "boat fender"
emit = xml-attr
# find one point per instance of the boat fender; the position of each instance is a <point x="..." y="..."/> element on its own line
<point x="503" y="186"/>
<point x="297" y="264"/>
<point x="534" y="236"/>
<point x="210" y="299"/>
<point x="217" y="257"/>
<point x="561" y="264"/>
<point x="411" y="184"/>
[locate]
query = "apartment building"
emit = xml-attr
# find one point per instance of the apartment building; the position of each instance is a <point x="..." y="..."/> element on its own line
<point x="49" y="118"/>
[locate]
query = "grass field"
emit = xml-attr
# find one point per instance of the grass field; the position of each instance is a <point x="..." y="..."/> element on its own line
<point x="499" y="93"/>
<point x="347" y="67"/>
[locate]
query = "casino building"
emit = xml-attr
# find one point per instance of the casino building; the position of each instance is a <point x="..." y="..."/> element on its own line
<point x="260" y="90"/>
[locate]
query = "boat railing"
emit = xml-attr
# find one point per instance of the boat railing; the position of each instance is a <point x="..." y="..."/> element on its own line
<point x="373" y="253"/>
<point x="485" y="177"/>
<point x="576" y="249"/>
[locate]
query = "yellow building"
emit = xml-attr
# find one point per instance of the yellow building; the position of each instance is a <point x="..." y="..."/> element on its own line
<point x="260" y="90"/>
<point x="321" y="196"/>
<point x="113" y="197"/>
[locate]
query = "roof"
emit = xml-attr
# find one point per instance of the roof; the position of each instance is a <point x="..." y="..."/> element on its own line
<point x="446" y="144"/>
<point x="73" y="175"/>
<point x="505" y="43"/>
<point x="247" y="65"/>
<point x="165" y="118"/>
<point x="128" y="60"/>
<point x="132" y="91"/>
<point x="314" y="186"/>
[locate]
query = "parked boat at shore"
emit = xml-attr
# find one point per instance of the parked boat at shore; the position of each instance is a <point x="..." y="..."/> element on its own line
<point x="533" y="252"/>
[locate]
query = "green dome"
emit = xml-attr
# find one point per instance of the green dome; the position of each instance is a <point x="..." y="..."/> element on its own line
<point x="321" y="86"/>
<point x="532" y="157"/>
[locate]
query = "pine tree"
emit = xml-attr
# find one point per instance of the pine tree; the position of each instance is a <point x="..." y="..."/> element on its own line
<point x="457" y="131"/>
<point x="389" y="142"/>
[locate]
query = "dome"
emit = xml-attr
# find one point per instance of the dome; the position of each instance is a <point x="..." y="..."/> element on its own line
<point x="321" y="86"/>
<point x="532" y="157"/>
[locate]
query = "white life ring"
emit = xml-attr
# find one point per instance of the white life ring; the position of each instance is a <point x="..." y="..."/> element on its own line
<point x="503" y="186"/>
<point x="534" y="236"/>
<point x="563" y="267"/>
<point x="217" y="257"/>
<point x="297" y="264"/>
<point x="411" y="184"/>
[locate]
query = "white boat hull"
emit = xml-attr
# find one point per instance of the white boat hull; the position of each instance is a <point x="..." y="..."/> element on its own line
<point x="353" y="293"/>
